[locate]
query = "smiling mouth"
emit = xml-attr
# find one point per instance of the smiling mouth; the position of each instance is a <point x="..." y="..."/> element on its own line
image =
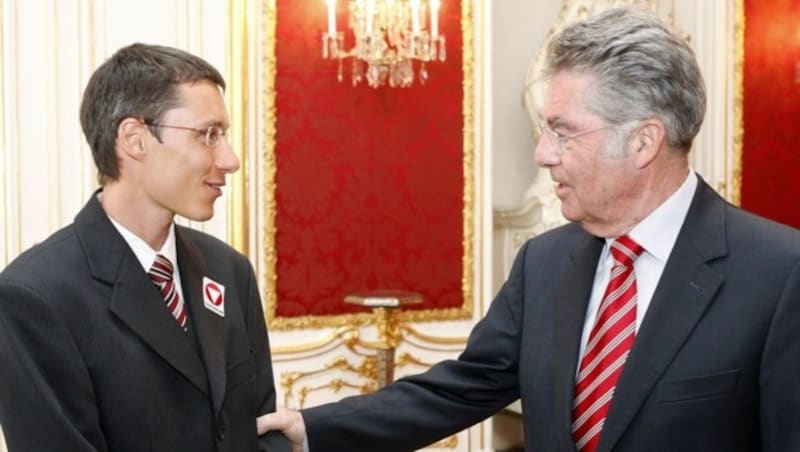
<point x="216" y="187"/>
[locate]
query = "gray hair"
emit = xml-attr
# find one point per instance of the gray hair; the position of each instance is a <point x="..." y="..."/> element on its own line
<point x="138" y="81"/>
<point x="641" y="69"/>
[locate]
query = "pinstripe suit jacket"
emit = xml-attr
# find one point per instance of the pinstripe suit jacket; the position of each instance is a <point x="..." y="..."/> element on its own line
<point x="92" y="360"/>
<point x="715" y="366"/>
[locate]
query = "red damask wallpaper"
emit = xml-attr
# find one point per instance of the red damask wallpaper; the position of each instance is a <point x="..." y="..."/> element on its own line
<point x="369" y="182"/>
<point x="771" y="111"/>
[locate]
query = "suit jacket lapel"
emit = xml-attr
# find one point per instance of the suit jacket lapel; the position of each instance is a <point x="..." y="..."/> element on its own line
<point x="209" y="327"/>
<point x="572" y="301"/>
<point x="135" y="300"/>
<point x="683" y="294"/>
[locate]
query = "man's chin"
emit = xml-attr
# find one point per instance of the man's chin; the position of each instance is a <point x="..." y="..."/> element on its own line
<point x="570" y="214"/>
<point x="198" y="214"/>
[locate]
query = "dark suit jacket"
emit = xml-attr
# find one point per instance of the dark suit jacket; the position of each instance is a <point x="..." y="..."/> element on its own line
<point x="92" y="359"/>
<point x="715" y="366"/>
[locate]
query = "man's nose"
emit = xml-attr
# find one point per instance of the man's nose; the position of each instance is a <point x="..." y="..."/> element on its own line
<point x="546" y="152"/>
<point x="226" y="158"/>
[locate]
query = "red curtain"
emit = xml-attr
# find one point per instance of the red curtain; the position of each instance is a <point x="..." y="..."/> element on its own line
<point x="771" y="112"/>
<point x="369" y="182"/>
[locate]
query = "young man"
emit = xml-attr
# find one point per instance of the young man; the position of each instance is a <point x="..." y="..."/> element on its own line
<point x="124" y="331"/>
<point x="661" y="319"/>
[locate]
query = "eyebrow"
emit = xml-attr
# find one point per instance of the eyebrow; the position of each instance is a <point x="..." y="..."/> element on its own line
<point x="556" y="122"/>
<point x="214" y="123"/>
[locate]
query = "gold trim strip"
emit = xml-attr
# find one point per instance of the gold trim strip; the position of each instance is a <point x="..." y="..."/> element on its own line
<point x="268" y="157"/>
<point x="738" y="103"/>
<point x="468" y="278"/>
<point x="317" y="344"/>
<point x="433" y="339"/>
<point x="479" y="145"/>
<point x="451" y="442"/>
<point x="468" y="71"/>
<point x="238" y="101"/>
<point x="349" y="335"/>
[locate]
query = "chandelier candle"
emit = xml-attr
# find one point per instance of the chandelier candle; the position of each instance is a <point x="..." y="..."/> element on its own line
<point x="391" y="37"/>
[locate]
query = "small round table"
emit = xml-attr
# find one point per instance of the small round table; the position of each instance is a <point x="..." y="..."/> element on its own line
<point x="385" y="305"/>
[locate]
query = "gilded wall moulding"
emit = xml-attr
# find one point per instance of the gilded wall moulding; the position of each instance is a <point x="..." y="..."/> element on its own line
<point x="266" y="207"/>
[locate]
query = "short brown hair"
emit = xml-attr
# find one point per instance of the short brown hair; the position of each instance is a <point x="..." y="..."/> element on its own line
<point x="138" y="81"/>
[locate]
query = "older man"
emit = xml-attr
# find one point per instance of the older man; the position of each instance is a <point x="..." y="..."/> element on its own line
<point x="661" y="319"/>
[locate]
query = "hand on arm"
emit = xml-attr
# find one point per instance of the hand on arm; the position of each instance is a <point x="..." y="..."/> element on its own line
<point x="290" y="423"/>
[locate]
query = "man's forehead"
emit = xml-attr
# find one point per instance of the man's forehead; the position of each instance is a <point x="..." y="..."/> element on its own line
<point x="202" y="97"/>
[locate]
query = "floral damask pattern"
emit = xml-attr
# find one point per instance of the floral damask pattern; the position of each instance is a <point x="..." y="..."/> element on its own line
<point x="771" y="108"/>
<point x="369" y="182"/>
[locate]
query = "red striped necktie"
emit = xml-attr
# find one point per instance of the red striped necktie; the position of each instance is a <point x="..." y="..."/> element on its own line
<point x="610" y="341"/>
<point x="161" y="274"/>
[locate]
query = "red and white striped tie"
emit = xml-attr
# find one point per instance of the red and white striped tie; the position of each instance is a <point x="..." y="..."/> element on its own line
<point x="610" y="340"/>
<point x="161" y="274"/>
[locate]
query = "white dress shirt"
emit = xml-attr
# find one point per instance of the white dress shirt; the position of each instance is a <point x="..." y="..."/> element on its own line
<point x="147" y="255"/>
<point x="657" y="234"/>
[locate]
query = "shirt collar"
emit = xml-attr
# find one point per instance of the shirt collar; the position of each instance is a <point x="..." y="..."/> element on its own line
<point x="658" y="232"/>
<point x="142" y="250"/>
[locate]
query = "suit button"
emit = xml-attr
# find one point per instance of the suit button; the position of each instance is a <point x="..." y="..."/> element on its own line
<point x="222" y="426"/>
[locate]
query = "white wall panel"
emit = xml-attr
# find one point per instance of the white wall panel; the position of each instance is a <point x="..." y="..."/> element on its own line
<point x="710" y="24"/>
<point x="48" y="51"/>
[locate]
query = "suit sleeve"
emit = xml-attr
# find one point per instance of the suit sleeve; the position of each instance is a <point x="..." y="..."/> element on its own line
<point x="416" y="411"/>
<point x="46" y="397"/>
<point x="780" y="372"/>
<point x="265" y="383"/>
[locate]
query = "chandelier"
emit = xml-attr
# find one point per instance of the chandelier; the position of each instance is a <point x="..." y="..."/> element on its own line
<point x="389" y="36"/>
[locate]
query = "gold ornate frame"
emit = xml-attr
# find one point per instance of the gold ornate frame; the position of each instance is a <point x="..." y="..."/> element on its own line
<point x="738" y="102"/>
<point x="238" y="208"/>
<point x="238" y="71"/>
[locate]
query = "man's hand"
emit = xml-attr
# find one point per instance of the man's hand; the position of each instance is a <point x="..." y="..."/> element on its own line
<point x="290" y="423"/>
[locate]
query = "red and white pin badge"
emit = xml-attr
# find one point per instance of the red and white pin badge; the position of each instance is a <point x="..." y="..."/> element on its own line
<point x="214" y="296"/>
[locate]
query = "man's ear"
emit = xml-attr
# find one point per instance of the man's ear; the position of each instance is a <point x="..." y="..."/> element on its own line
<point x="130" y="138"/>
<point x="647" y="141"/>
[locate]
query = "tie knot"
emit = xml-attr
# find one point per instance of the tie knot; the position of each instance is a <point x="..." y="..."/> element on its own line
<point x="161" y="271"/>
<point x="625" y="250"/>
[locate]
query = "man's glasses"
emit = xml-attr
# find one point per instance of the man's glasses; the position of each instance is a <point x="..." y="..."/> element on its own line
<point x="212" y="134"/>
<point x="560" y="140"/>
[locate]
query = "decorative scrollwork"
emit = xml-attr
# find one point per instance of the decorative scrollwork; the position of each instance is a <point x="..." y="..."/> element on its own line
<point x="375" y="360"/>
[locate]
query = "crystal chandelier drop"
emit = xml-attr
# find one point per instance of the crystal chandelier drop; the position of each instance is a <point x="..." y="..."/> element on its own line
<point x="389" y="36"/>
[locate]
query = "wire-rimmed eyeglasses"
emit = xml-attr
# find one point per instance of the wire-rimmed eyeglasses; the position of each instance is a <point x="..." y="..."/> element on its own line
<point x="212" y="134"/>
<point x="560" y="140"/>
